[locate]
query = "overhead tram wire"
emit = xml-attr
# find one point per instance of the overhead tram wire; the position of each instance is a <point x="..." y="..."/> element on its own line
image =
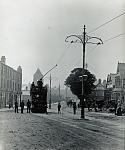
<point x="61" y="59"/>
<point x="89" y="51"/>
<point x="63" y="54"/>
<point x="114" y="37"/>
<point x="107" y="22"/>
<point x="94" y="47"/>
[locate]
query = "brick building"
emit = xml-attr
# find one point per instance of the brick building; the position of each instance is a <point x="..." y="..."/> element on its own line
<point x="10" y="84"/>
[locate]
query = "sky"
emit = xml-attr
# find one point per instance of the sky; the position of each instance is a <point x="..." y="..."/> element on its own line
<point x="33" y="32"/>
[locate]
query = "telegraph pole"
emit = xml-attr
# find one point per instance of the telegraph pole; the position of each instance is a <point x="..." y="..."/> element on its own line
<point x="84" y="39"/>
<point x="50" y="93"/>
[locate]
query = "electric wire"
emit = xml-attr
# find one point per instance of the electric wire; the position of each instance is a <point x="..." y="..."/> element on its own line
<point x="114" y="37"/>
<point x="93" y="49"/>
<point x="107" y="22"/>
<point x="89" y="51"/>
<point x="59" y="61"/>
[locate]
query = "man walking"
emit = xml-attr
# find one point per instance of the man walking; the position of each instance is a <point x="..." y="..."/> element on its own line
<point x="16" y="106"/>
<point x="59" y="107"/>
<point x="74" y="107"/>
<point x="28" y="106"/>
<point x="22" y="106"/>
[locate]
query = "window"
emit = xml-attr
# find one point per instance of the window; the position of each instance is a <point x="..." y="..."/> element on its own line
<point x="117" y="81"/>
<point x="13" y="85"/>
<point x="123" y="83"/>
<point x="8" y="84"/>
<point x="2" y="70"/>
<point x="2" y="83"/>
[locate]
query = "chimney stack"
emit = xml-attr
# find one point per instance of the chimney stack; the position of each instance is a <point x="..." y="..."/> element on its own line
<point x="3" y="60"/>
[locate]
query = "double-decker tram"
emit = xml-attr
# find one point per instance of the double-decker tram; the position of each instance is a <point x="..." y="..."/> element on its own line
<point x="38" y="95"/>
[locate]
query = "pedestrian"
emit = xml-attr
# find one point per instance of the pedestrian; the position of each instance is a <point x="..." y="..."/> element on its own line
<point x="119" y="111"/>
<point x="46" y="109"/>
<point x="116" y="104"/>
<point x="95" y="107"/>
<point x="28" y="106"/>
<point x="9" y="105"/>
<point x="78" y="105"/>
<point x="74" y="107"/>
<point x="22" y="106"/>
<point x="59" y="107"/>
<point x="16" y="106"/>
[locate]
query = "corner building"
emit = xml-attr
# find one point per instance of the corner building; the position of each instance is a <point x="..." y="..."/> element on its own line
<point x="10" y="84"/>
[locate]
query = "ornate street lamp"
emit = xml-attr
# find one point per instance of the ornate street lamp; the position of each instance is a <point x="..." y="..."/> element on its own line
<point x="84" y="39"/>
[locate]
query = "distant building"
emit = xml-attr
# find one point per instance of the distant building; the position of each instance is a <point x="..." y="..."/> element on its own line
<point x="109" y="88"/>
<point x="26" y="93"/>
<point x="37" y="76"/>
<point x="119" y="90"/>
<point x="111" y="80"/>
<point x="104" y="83"/>
<point x="99" y="91"/>
<point x="10" y="84"/>
<point x="116" y="84"/>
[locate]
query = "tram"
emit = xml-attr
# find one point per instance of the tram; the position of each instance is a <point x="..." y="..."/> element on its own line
<point x="38" y="95"/>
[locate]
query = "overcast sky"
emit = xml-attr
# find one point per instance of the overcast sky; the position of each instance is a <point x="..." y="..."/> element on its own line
<point x="33" y="32"/>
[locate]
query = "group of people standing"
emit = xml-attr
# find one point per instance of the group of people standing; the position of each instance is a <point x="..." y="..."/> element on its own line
<point x="22" y="106"/>
<point x="74" y="108"/>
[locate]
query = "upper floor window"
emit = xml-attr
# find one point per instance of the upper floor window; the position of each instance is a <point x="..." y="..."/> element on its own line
<point x="2" y="70"/>
<point x="123" y="83"/>
<point x="117" y="81"/>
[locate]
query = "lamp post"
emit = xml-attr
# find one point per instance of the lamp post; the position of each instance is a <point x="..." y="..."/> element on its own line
<point x="84" y="39"/>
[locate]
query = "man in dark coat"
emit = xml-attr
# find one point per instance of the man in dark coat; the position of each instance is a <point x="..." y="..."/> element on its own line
<point x="28" y="106"/>
<point x="16" y="106"/>
<point x="22" y="106"/>
<point x="59" y="107"/>
<point x="74" y="107"/>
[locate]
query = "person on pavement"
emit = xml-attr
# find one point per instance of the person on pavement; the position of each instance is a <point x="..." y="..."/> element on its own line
<point x="74" y="107"/>
<point x="16" y="106"/>
<point x="28" y="106"/>
<point x="22" y="106"/>
<point x="116" y="104"/>
<point x="9" y="105"/>
<point x="59" y="107"/>
<point x="46" y="109"/>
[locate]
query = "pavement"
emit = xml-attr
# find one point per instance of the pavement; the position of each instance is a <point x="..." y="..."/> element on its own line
<point x="65" y="131"/>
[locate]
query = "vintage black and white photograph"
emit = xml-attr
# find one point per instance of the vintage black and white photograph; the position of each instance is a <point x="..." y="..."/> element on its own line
<point x="62" y="74"/>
